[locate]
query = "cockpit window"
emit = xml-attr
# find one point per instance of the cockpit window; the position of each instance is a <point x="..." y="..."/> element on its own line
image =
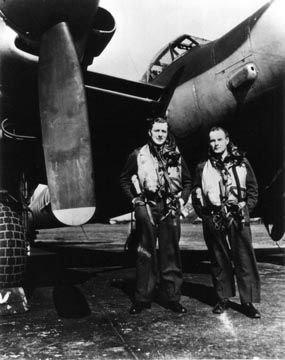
<point x="170" y="53"/>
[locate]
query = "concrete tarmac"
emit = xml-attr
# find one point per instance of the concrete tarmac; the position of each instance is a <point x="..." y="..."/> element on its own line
<point x="80" y="285"/>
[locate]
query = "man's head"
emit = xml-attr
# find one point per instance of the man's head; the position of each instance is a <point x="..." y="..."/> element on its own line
<point x="218" y="140"/>
<point x="158" y="131"/>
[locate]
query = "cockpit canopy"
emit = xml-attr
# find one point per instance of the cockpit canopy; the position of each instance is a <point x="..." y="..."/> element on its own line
<point x="170" y="53"/>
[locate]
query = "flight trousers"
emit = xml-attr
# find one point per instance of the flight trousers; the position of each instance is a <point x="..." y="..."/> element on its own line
<point x="231" y="253"/>
<point x="163" y="271"/>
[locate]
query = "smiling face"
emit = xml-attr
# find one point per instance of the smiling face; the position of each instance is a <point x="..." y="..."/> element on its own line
<point x="159" y="132"/>
<point x="218" y="142"/>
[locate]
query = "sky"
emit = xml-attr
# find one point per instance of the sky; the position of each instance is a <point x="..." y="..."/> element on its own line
<point x="143" y="27"/>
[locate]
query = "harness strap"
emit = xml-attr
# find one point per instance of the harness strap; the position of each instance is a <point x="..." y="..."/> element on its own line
<point x="238" y="184"/>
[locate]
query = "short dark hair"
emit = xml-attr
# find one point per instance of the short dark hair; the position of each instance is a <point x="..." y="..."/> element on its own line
<point x="154" y="120"/>
<point x="218" y="128"/>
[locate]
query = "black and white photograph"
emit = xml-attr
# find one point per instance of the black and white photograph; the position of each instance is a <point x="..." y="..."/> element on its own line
<point x="142" y="179"/>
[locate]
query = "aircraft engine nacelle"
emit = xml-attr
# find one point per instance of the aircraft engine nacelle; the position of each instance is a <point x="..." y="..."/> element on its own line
<point x="32" y="18"/>
<point x="92" y="27"/>
<point x="103" y="29"/>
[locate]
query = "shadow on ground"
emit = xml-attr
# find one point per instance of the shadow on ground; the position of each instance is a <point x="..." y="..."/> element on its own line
<point x="63" y="266"/>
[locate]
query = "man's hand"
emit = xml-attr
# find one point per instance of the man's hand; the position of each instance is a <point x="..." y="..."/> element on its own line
<point x="138" y="201"/>
<point x="183" y="211"/>
<point x="241" y="204"/>
<point x="181" y="203"/>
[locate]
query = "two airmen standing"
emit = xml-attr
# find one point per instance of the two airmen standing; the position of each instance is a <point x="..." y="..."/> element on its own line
<point x="157" y="182"/>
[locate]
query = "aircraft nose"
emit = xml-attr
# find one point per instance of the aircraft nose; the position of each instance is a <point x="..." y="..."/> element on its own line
<point x="32" y="17"/>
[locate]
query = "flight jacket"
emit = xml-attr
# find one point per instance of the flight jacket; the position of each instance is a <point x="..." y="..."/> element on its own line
<point x="251" y="189"/>
<point x="131" y="168"/>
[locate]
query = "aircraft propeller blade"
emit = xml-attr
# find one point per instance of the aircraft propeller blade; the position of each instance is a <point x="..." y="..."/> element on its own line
<point x="65" y="128"/>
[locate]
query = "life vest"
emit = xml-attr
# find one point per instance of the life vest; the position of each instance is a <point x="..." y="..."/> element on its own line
<point x="151" y="176"/>
<point x="218" y="185"/>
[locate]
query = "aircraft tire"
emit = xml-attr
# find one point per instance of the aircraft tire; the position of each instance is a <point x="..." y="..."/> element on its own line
<point x="13" y="250"/>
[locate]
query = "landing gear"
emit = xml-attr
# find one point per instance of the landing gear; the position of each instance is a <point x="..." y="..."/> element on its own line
<point x="15" y="151"/>
<point x="13" y="257"/>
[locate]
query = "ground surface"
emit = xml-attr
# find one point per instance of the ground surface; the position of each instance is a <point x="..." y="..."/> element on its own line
<point x="80" y="290"/>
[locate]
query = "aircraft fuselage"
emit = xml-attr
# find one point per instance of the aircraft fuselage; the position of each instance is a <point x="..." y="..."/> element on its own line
<point x="205" y="94"/>
<point x="237" y="81"/>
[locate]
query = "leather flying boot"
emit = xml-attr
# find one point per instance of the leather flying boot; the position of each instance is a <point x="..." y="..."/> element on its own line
<point x="176" y="307"/>
<point x="138" y="307"/>
<point x="221" y="306"/>
<point x="250" y="311"/>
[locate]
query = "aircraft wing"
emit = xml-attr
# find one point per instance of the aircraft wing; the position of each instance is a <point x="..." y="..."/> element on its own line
<point x="123" y="107"/>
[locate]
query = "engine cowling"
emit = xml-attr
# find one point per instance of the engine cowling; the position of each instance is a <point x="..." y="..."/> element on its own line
<point x="92" y="27"/>
<point x="31" y="18"/>
<point x="103" y="29"/>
